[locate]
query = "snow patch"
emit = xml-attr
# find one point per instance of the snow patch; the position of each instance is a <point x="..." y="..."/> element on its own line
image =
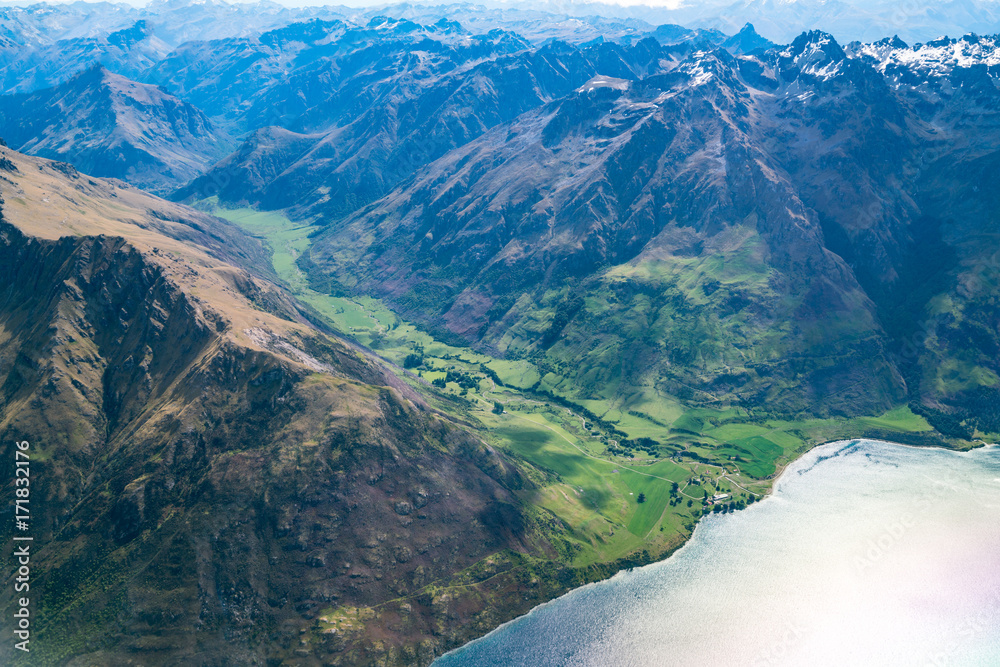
<point x="601" y="81"/>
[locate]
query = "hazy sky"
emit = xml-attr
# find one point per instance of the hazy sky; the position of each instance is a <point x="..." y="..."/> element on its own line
<point x="551" y="6"/>
<point x="778" y="20"/>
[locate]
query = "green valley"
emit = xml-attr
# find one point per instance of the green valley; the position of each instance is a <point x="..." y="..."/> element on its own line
<point x="588" y="460"/>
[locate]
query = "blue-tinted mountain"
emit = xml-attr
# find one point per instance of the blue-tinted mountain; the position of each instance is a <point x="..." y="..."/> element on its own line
<point x="107" y="125"/>
<point x="747" y="40"/>
<point x="300" y="75"/>
<point x="129" y="51"/>
<point x="355" y="139"/>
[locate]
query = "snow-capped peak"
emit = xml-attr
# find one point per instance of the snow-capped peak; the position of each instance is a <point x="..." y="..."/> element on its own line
<point x="935" y="58"/>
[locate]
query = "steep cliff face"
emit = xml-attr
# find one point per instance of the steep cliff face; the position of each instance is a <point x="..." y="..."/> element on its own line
<point x="209" y="472"/>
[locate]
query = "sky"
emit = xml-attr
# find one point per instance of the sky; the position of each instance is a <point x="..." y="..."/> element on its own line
<point x="778" y="20"/>
<point x="551" y="6"/>
<point x="666" y="4"/>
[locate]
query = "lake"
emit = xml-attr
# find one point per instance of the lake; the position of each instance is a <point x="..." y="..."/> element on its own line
<point x="867" y="553"/>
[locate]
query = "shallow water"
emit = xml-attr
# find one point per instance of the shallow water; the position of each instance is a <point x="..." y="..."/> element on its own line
<point x="867" y="553"/>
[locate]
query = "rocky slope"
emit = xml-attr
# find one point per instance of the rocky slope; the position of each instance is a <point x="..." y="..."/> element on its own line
<point x="209" y="470"/>
<point x="108" y="125"/>
<point x="358" y="107"/>
<point x="551" y="233"/>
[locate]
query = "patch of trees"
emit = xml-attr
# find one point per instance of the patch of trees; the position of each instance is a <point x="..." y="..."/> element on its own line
<point x="319" y="280"/>
<point x="675" y="498"/>
<point x="984" y="403"/>
<point x="491" y="374"/>
<point x="565" y="311"/>
<point x="463" y="380"/>
<point x="576" y="407"/>
<point x="947" y="424"/>
<point x="710" y="286"/>
<point x="725" y="508"/>
<point x="694" y="455"/>
<point x="648" y="445"/>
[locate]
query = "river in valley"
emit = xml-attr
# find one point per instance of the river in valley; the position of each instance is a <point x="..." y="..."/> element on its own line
<point x="867" y="553"/>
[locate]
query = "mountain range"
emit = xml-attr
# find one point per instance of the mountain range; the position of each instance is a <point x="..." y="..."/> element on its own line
<point x="447" y="310"/>
<point x="363" y="130"/>
<point x="128" y="52"/>
<point x="778" y="206"/>
<point x="179" y="21"/>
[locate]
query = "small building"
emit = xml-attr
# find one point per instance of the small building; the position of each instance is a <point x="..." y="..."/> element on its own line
<point x="719" y="497"/>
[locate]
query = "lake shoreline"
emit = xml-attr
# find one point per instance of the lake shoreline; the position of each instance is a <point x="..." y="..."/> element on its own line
<point x="773" y="492"/>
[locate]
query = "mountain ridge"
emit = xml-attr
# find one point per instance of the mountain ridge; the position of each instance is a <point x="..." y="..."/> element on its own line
<point x="204" y="460"/>
<point x="111" y="126"/>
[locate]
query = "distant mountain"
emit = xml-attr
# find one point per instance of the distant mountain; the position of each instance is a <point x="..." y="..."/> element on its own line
<point x="44" y="45"/>
<point x="355" y="129"/>
<point x="40" y="24"/>
<point x="180" y="21"/>
<point x="538" y="24"/>
<point x="356" y="109"/>
<point x="177" y="21"/>
<point x="40" y="49"/>
<point x="850" y="19"/>
<point x="670" y="34"/>
<point x="129" y="51"/>
<point x="782" y="20"/>
<point x="747" y="40"/>
<point x="108" y="125"/>
<point x="307" y="75"/>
